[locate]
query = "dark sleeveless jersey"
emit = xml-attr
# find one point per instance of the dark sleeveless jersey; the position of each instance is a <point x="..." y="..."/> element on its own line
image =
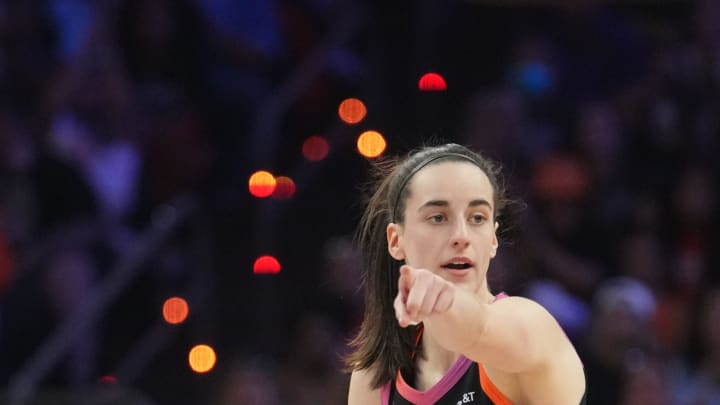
<point x="464" y="384"/>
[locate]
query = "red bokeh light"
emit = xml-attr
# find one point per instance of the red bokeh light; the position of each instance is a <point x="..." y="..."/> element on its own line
<point x="108" y="379"/>
<point x="432" y="82"/>
<point x="285" y="188"/>
<point x="315" y="148"/>
<point x="266" y="265"/>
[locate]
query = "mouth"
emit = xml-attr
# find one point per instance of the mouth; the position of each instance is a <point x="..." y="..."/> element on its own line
<point x="458" y="266"/>
<point x="458" y="263"/>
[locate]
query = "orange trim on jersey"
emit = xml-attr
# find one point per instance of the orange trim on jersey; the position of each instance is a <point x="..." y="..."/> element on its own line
<point x="418" y="336"/>
<point x="491" y="390"/>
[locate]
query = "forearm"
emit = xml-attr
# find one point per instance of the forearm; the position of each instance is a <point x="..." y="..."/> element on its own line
<point x="494" y="334"/>
<point x="463" y="325"/>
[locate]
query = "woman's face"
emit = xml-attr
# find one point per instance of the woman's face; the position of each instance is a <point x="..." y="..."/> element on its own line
<point x="448" y="227"/>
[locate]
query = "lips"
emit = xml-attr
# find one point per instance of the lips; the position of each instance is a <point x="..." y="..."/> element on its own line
<point x="457" y="266"/>
<point x="458" y="263"/>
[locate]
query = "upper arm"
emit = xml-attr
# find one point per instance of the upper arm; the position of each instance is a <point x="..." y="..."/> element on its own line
<point x="520" y="336"/>
<point x="516" y="340"/>
<point x="361" y="391"/>
<point x="523" y="339"/>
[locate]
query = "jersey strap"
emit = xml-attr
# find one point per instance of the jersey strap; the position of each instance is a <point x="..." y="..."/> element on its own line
<point x="491" y="390"/>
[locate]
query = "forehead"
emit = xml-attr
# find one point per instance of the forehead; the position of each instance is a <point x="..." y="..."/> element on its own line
<point x="451" y="180"/>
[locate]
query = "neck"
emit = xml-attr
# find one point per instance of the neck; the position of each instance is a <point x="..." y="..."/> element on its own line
<point x="433" y="362"/>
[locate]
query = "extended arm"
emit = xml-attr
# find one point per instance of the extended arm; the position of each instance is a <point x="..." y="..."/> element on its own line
<point x="513" y="335"/>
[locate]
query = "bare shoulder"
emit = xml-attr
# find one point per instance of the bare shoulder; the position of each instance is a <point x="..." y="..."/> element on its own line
<point x="361" y="391"/>
<point x="559" y="375"/>
<point x="542" y="328"/>
<point x="518" y="301"/>
<point x="532" y="314"/>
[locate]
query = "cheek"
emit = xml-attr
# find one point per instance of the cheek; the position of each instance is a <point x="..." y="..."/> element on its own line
<point x="418" y="246"/>
<point x="487" y="236"/>
<point x="484" y="243"/>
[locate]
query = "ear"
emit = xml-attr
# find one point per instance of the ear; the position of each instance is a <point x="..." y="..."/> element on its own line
<point x="495" y="242"/>
<point x="393" y="241"/>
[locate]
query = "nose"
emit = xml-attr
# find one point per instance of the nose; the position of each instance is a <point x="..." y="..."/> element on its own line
<point x="460" y="238"/>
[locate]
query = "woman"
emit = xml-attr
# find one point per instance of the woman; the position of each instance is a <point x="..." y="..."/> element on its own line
<point x="433" y="332"/>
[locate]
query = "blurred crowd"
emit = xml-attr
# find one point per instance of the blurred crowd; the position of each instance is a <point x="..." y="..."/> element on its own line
<point x="604" y="115"/>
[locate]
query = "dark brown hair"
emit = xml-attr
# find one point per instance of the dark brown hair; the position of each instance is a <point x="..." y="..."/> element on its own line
<point x="381" y="344"/>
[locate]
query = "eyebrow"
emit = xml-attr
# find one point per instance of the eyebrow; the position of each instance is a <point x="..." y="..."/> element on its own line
<point x="445" y="203"/>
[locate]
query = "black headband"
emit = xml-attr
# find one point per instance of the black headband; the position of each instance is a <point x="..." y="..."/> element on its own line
<point x="419" y="167"/>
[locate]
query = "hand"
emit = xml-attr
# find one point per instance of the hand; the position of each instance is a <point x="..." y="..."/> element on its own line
<point x="421" y="294"/>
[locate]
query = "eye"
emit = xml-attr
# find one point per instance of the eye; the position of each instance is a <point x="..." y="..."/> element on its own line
<point x="437" y="218"/>
<point x="477" y="219"/>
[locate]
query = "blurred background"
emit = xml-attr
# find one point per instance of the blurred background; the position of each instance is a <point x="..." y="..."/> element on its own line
<point x="144" y="260"/>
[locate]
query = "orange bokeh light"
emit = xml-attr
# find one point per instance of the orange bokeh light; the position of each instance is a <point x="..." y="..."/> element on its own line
<point x="315" y="148"/>
<point x="202" y="358"/>
<point x="432" y="82"/>
<point x="266" y="265"/>
<point x="262" y="184"/>
<point x="352" y="110"/>
<point x="371" y="144"/>
<point x="175" y="310"/>
<point x="285" y="188"/>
